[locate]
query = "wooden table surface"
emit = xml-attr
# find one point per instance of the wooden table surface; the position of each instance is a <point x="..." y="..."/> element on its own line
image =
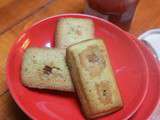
<point x="18" y="15"/>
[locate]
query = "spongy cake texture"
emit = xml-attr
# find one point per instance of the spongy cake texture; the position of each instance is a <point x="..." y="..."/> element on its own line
<point x="73" y="30"/>
<point x="45" y="68"/>
<point x="93" y="78"/>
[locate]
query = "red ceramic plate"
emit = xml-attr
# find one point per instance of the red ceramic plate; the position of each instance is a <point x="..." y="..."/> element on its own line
<point x="150" y="108"/>
<point x="126" y="57"/>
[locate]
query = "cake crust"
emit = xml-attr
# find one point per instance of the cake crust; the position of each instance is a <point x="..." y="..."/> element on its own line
<point x="93" y="78"/>
<point x="46" y="68"/>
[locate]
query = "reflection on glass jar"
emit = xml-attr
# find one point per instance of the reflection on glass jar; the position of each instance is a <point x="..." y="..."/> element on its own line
<point x="119" y="12"/>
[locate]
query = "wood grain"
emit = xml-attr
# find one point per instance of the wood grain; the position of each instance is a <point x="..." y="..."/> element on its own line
<point x="9" y="37"/>
<point x="8" y="107"/>
<point x="4" y="49"/>
<point x="68" y="6"/>
<point x="13" y="11"/>
<point x="147" y="16"/>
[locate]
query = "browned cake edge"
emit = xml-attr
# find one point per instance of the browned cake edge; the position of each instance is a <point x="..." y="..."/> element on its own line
<point x="77" y="83"/>
<point x="79" y="88"/>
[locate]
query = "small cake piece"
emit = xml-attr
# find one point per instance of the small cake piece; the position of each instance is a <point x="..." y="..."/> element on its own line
<point x="93" y="78"/>
<point x="73" y="30"/>
<point x="45" y="68"/>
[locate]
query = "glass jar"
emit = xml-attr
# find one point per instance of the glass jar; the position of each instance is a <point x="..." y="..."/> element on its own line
<point x="119" y="12"/>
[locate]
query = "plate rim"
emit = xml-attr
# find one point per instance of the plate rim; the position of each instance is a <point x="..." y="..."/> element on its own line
<point x="158" y="72"/>
<point x="157" y="63"/>
<point x="23" y="33"/>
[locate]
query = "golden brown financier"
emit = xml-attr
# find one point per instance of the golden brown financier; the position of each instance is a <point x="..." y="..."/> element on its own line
<point x="93" y="78"/>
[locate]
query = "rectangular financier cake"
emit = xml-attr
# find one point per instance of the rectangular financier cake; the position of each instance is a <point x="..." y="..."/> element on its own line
<point x="46" y="68"/>
<point x="93" y="78"/>
<point x="73" y="30"/>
